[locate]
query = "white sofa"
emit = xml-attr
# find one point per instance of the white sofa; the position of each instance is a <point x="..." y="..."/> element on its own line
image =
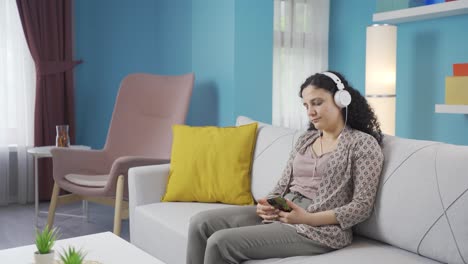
<point x="420" y="216"/>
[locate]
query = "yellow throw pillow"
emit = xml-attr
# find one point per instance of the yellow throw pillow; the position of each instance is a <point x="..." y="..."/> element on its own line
<point x="211" y="164"/>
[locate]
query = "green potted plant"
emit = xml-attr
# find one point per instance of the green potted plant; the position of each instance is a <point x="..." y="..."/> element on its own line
<point x="45" y="240"/>
<point x="72" y="256"/>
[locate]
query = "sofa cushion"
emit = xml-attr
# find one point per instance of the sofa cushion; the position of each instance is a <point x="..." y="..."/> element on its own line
<point x="162" y="226"/>
<point x="88" y="180"/>
<point x="274" y="144"/>
<point x="211" y="164"/>
<point x="362" y="251"/>
<point x="422" y="200"/>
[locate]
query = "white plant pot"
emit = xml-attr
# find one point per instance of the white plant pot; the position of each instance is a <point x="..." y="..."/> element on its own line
<point x="44" y="258"/>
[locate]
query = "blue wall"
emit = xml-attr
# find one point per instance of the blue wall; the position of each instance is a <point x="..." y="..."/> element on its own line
<point x="172" y="27"/>
<point x="254" y="59"/>
<point x="232" y="59"/>
<point x="213" y="62"/>
<point x="426" y="51"/>
<point x="115" y="38"/>
<point x="347" y="39"/>
<point x="227" y="43"/>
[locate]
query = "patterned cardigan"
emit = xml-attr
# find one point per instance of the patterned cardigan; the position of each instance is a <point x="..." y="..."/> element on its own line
<point x="349" y="185"/>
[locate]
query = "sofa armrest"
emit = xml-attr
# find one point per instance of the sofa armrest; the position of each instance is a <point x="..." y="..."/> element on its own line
<point x="146" y="185"/>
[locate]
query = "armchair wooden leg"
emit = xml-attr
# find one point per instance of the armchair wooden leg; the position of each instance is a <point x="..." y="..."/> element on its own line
<point x="53" y="206"/>
<point x="118" y="205"/>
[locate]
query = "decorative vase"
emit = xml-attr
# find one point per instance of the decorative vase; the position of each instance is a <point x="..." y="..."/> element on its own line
<point x="62" y="139"/>
<point x="44" y="258"/>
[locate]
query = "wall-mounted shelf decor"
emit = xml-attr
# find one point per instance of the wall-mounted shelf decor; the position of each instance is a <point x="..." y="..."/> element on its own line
<point x="451" y="109"/>
<point x="452" y="8"/>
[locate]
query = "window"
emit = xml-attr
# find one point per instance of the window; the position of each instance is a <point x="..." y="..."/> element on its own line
<point x="300" y="49"/>
<point x="17" y="92"/>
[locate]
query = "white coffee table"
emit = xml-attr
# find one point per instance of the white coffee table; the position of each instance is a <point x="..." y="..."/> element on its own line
<point x="44" y="152"/>
<point x="105" y="248"/>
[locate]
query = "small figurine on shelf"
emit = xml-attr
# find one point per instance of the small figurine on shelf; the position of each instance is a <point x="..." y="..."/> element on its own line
<point x="431" y="2"/>
<point x="62" y="139"/>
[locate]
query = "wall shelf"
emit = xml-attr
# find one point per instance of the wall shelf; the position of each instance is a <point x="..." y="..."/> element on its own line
<point x="451" y="109"/>
<point x="452" y="8"/>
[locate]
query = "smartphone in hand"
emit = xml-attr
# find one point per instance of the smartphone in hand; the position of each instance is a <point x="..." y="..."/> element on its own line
<point x="279" y="203"/>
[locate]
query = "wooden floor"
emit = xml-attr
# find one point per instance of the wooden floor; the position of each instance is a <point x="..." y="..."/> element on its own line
<point x="17" y="223"/>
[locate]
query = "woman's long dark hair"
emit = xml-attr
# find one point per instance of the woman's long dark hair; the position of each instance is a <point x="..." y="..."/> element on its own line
<point x="360" y="115"/>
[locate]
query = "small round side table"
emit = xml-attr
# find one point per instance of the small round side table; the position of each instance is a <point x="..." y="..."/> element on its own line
<point x="44" y="152"/>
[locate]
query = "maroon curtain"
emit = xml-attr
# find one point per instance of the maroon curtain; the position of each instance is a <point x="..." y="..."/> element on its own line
<point x="47" y="25"/>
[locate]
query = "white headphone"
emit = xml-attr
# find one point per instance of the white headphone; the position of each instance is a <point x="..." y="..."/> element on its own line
<point x="342" y="97"/>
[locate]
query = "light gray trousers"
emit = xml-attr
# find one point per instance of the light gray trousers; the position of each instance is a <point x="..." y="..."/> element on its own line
<point x="233" y="235"/>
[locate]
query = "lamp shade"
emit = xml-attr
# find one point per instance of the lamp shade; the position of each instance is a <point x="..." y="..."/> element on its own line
<point x="381" y="73"/>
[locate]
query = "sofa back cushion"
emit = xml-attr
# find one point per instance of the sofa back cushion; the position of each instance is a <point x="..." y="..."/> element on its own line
<point x="274" y="144"/>
<point x="422" y="202"/>
<point x="211" y="164"/>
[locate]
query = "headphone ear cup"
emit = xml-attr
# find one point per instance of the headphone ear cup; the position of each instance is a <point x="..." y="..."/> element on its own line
<point x="342" y="98"/>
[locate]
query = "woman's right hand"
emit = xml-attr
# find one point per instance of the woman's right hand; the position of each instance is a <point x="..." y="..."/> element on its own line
<point x="266" y="211"/>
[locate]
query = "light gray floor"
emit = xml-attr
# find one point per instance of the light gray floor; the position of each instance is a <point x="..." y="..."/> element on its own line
<point x="17" y="223"/>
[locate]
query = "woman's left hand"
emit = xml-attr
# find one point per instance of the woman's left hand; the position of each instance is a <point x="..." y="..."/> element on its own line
<point x="297" y="216"/>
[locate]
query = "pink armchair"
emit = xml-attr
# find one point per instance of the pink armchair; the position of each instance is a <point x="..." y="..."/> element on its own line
<point x="140" y="134"/>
